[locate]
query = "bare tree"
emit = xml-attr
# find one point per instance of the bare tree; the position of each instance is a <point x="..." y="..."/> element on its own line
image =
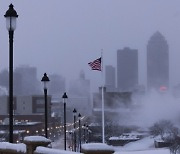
<point x="168" y="133"/>
<point x="164" y="128"/>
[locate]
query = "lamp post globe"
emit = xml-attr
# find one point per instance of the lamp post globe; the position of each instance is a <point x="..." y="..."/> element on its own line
<point x="45" y="80"/>
<point x="11" y="16"/>
<point x="64" y="97"/>
<point x="74" y="112"/>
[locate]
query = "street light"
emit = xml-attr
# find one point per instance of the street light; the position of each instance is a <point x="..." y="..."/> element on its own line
<point x="84" y="129"/>
<point x="87" y="127"/>
<point x="45" y="80"/>
<point x="74" y="114"/>
<point x="64" y="101"/>
<point x="79" y="117"/>
<point x="11" y="16"/>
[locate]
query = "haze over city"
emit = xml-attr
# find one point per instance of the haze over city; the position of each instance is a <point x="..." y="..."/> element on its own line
<point x="63" y="36"/>
<point x="130" y="46"/>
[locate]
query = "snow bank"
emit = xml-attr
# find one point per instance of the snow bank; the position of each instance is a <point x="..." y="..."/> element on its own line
<point x="143" y="144"/>
<point x="157" y="151"/>
<point x="96" y="146"/>
<point x="18" y="147"/>
<point x="52" y="151"/>
<point x="36" y="138"/>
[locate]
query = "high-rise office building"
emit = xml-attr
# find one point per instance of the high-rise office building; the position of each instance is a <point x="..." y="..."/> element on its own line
<point x="110" y="79"/>
<point x="25" y="81"/>
<point x="127" y="69"/>
<point x="157" y="62"/>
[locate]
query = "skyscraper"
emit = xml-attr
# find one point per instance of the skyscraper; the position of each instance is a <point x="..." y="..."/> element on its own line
<point x="110" y="78"/>
<point x="157" y="62"/>
<point x="127" y="69"/>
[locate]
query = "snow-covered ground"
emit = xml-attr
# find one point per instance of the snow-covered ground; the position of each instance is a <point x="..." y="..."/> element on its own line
<point x="157" y="151"/>
<point x="143" y="146"/>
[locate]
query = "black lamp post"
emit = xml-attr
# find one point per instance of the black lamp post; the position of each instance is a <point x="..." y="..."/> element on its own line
<point x="64" y="101"/>
<point x="84" y="129"/>
<point x="45" y="80"/>
<point x="74" y="114"/>
<point x="87" y="139"/>
<point x="11" y="16"/>
<point x="79" y="117"/>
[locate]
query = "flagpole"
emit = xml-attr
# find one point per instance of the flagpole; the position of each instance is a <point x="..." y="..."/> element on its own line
<point x="103" y="132"/>
<point x="98" y="65"/>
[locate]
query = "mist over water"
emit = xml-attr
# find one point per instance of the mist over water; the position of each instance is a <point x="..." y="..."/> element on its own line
<point x="150" y="108"/>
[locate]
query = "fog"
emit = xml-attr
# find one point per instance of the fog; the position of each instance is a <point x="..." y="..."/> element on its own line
<point x="3" y="91"/>
<point x="150" y="108"/>
<point x="62" y="36"/>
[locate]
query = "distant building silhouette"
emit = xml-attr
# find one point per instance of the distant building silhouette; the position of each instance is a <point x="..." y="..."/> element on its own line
<point x="56" y="85"/>
<point x="25" y="81"/>
<point x="81" y="86"/>
<point x="127" y="69"/>
<point x="79" y="94"/>
<point x="157" y="62"/>
<point x="110" y="79"/>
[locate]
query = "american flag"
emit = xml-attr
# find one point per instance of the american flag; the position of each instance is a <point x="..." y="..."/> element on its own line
<point x="96" y="64"/>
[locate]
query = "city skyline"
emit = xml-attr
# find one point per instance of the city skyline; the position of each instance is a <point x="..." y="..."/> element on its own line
<point x="71" y="34"/>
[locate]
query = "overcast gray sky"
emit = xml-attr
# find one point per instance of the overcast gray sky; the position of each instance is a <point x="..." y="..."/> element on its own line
<point x="62" y="36"/>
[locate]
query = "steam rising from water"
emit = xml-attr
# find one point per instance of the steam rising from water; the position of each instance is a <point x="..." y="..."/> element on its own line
<point x="154" y="106"/>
